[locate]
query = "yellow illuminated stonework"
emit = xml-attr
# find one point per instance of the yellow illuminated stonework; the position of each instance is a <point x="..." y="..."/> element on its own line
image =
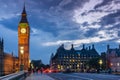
<point x="23" y="45"/>
<point x="23" y="25"/>
<point x="23" y="42"/>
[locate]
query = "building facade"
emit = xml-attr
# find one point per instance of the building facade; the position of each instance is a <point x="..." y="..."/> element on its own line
<point x="113" y="58"/>
<point x="8" y="62"/>
<point x="23" y="41"/>
<point x="72" y="59"/>
<point x="115" y="64"/>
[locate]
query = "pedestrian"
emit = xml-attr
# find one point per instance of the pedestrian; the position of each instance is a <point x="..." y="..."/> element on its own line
<point x="41" y="70"/>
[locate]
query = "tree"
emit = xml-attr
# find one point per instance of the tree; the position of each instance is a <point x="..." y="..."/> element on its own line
<point x="93" y="63"/>
<point x="38" y="64"/>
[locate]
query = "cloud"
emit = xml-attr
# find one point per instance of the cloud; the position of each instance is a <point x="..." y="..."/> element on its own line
<point x="64" y="2"/>
<point x="81" y="41"/>
<point x="110" y="18"/>
<point x="85" y="23"/>
<point x="99" y="15"/>
<point x="55" y="22"/>
<point x="4" y="16"/>
<point x="100" y="36"/>
<point x="39" y="36"/>
<point x="108" y="33"/>
<point x="109" y="5"/>
<point x="9" y="10"/>
<point x="118" y="41"/>
<point x="88" y="13"/>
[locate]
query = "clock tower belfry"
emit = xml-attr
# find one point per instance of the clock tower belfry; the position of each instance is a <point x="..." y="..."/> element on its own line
<point x="23" y="41"/>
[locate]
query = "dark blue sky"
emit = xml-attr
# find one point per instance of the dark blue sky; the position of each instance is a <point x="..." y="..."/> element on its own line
<point x="54" y="22"/>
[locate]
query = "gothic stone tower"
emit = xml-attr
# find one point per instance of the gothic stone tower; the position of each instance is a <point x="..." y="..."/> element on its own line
<point x="23" y="41"/>
<point x="1" y="56"/>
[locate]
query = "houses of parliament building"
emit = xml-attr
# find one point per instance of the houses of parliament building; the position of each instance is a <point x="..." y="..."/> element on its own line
<point x="8" y="62"/>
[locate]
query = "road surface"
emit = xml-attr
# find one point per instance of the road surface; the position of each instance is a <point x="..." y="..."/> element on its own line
<point x="83" y="76"/>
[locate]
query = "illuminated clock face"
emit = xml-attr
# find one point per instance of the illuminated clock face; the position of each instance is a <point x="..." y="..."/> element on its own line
<point x="23" y="30"/>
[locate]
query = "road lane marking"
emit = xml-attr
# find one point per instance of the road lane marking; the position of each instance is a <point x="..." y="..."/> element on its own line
<point x="78" y="77"/>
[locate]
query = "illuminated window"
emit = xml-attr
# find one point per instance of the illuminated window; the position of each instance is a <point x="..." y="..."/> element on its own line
<point x="73" y="60"/>
<point x="111" y="64"/>
<point x="61" y="67"/>
<point x="21" y="47"/>
<point x="78" y="65"/>
<point x="70" y="66"/>
<point x="58" y="66"/>
<point x="118" y="64"/>
<point x="21" y="51"/>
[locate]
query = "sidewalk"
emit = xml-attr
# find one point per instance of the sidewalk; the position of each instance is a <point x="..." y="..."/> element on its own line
<point x="36" y="76"/>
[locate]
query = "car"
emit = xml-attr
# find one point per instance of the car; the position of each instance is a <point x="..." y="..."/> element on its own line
<point x="47" y="71"/>
<point x="54" y="71"/>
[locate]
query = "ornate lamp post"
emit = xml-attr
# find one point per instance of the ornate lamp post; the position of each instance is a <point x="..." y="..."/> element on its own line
<point x="100" y="62"/>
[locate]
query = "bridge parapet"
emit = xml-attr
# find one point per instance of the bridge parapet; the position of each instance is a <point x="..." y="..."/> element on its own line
<point x="15" y="76"/>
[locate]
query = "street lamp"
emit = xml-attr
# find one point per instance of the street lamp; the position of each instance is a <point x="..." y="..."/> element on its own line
<point x="29" y="63"/>
<point x="100" y="62"/>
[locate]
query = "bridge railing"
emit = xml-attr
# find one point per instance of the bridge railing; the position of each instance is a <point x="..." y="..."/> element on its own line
<point x="15" y="76"/>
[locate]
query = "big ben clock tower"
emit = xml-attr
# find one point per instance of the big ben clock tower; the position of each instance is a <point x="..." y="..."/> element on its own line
<point x="23" y="41"/>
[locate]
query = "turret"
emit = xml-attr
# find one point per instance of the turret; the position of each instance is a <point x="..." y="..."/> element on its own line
<point x="83" y="46"/>
<point x="72" y="47"/>
<point x="62" y="45"/>
<point x="108" y="47"/>
<point x="61" y="48"/>
<point x="93" y="46"/>
<point x="119" y="46"/>
<point x="2" y="45"/>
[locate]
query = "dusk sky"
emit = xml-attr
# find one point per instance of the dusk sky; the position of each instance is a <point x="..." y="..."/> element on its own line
<point x="56" y="22"/>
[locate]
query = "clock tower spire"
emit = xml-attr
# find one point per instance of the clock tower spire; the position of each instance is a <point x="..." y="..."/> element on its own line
<point x="24" y="16"/>
<point x="23" y="41"/>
